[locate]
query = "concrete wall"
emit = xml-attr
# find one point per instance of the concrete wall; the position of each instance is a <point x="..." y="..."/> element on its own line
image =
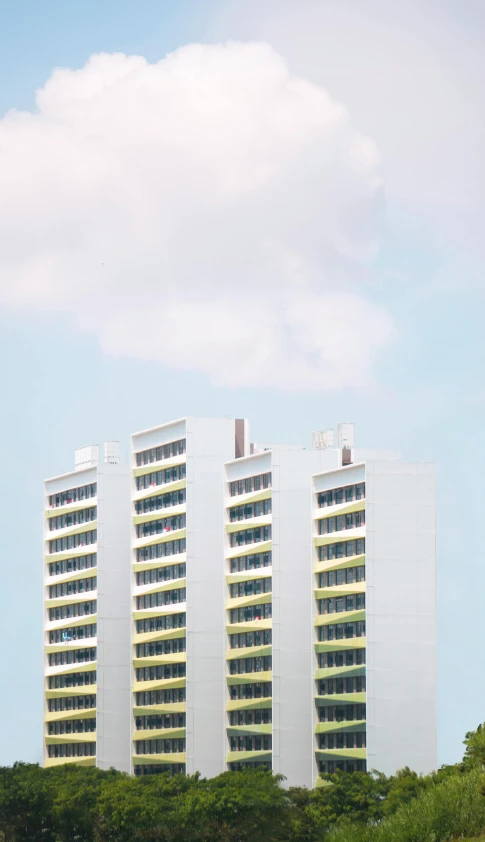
<point x="401" y="633"/>
<point x="210" y="442"/>
<point x="113" y="718"/>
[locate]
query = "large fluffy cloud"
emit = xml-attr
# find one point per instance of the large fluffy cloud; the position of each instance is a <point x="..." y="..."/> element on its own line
<point x="209" y="211"/>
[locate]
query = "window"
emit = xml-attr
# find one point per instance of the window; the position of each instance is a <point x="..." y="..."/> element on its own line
<point x="258" y="690"/>
<point x="339" y="631"/>
<point x="76" y="609"/>
<point x="71" y="679"/>
<point x="262" y="507"/>
<point x="160" y="721"/>
<point x="71" y="588"/>
<point x="158" y="527"/>
<point x="72" y="495"/>
<point x="341" y="522"/>
<point x="72" y="656"/>
<point x="160" y="672"/>
<point x="251" y="588"/>
<point x="248" y="639"/>
<point x="153" y="600"/>
<point x="160" y="647"/>
<point x="166" y="621"/>
<point x="74" y="633"/>
<point x="251" y="562"/>
<point x="343" y="549"/>
<point x="246" y="665"/>
<point x="73" y="518"/>
<point x="352" y="602"/>
<point x="167" y="548"/>
<point x="69" y="542"/>
<point x="339" y="495"/>
<point x="245" y="486"/>
<point x="251" y="612"/>
<point x="160" y="746"/>
<point x="347" y="657"/>
<point x="71" y="565"/>
<point x="161" y="574"/>
<point x="162" y="477"/>
<point x="160" y="501"/>
<point x="164" y="451"/>
<point x="250" y="536"/>
<point x="160" y="697"/>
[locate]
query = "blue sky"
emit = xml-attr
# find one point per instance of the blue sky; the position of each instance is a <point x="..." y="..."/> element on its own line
<point x="66" y="384"/>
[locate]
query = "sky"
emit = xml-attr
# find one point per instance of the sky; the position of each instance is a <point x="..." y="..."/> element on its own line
<point x="269" y="210"/>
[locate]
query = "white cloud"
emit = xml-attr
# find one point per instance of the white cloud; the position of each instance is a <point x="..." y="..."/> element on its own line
<point x="211" y="211"/>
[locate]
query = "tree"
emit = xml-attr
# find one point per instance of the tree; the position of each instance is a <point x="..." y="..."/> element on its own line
<point x="475" y="748"/>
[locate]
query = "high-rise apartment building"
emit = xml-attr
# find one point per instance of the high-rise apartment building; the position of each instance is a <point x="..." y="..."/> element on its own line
<point x="87" y="612"/>
<point x="282" y="608"/>
<point x="178" y="597"/>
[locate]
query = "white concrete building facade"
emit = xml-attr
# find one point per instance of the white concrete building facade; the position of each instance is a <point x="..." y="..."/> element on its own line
<point x="253" y="605"/>
<point x="87" y="613"/>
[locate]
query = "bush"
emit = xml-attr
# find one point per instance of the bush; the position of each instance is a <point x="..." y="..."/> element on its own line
<point x="454" y="808"/>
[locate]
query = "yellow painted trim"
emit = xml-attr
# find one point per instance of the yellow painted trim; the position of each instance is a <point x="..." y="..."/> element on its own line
<point x="62" y="739"/>
<point x="67" y="531"/>
<point x="340" y="672"/>
<point x="339" y="509"/>
<point x="340" y="590"/>
<point x="340" y="537"/>
<point x="248" y="730"/>
<point x="153" y="467"/>
<point x="242" y="756"/>
<point x="156" y="733"/>
<point x="85" y="643"/>
<point x="342" y="753"/>
<point x="248" y="549"/>
<point x="73" y="599"/>
<point x="71" y="507"/>
<point x="66" y="669"/>
<point x="341" y="727"/>
<point x="247" y="601"/>
<point x="341" y="698"/>
<point x="249" y="678"/>
<point x="64" y="715"/>
<point x="249" y="575"/>
<point x="71" y="761"/>
<point x="152" y="710"/>
<point x="68" y="622"/>
<point x="156" y="490"/>
<point x="251" y="625"/>
<point x="164" y="561"/>
<point x="337" y="645"/>
<point x="149" y="759"/>
<point x="74" y="553"/>
<point x="158" y="514"/>
<point x="64" y="692"/>
<point x="340" y="564"/>
<point x="248" y="523"/>
<point x="342" y="617"/>
<point x="148" y="613"/>
<point x="166" y="634"/>
<point x="162" y="538"/>
<point x="161" y="587"/>
<point x="63" y="578"/>
<point x="250" y="497"/>
<point x="249" y="652"/>
<point x="158" y="660"/>
<point x="158" y="684"/>
<point x="249" y="704"/>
